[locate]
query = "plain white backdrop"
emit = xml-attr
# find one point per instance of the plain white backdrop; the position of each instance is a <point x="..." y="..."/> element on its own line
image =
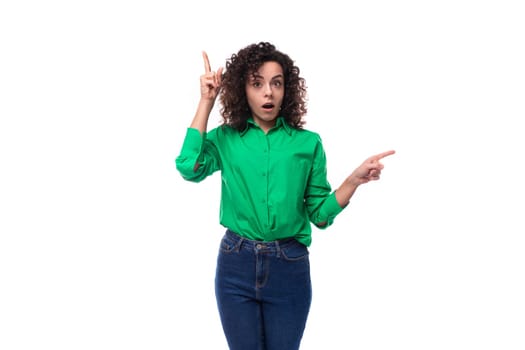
<point x="104" y="246"/>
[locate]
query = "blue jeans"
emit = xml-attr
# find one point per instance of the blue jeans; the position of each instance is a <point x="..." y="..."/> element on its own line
<point x="263" y="292"/>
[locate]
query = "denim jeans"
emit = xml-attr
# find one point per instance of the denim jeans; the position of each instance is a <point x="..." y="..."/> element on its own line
<point x="263" y="292"/>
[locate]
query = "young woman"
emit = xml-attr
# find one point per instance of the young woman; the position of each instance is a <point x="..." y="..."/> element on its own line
<point x="274" y="185"/>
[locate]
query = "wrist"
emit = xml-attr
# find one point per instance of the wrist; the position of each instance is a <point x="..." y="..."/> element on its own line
<point x="352" y="181"/>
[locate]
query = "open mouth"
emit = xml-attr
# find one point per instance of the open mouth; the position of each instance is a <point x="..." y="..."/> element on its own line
<point x="268" y="105"/>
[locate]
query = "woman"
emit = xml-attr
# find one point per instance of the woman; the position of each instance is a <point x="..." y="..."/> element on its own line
<point x="274" y="185"/>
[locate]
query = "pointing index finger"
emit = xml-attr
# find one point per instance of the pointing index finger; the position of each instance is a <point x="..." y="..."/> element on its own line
<point x="207" y="67"/>
<point x="384" y="154"/>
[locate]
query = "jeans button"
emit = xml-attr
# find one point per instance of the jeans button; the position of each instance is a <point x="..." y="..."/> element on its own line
<point x="258" y="246"/>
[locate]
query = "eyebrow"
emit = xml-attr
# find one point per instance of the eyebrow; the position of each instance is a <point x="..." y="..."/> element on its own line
<point x="258" y="76"/>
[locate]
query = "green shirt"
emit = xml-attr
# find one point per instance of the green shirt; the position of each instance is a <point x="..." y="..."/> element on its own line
<point x="273" y="185"/>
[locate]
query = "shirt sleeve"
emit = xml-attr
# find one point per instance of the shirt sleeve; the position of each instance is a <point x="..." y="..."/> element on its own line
<point x="198" y="157"/>
<point x="320" y="201"/>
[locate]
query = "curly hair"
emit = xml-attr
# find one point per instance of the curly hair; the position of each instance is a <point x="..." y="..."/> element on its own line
<point x="235" y="110"/>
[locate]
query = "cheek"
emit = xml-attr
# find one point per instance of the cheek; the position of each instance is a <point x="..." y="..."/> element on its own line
<point x="279" y="96"/>
<point x="251" y="100"/>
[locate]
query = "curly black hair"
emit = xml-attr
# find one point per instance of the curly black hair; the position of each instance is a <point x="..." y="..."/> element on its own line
<point x="235" y="110"/>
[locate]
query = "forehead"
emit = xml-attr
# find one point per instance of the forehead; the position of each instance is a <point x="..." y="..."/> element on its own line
<point x="268" y="70"/>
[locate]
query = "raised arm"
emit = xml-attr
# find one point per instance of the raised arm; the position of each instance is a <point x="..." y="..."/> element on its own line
<point x="210" y="83"/>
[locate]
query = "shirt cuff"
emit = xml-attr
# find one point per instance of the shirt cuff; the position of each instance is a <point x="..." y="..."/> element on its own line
<point x="331" y="207"/>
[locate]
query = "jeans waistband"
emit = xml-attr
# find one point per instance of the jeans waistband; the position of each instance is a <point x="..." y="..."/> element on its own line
<point x="259" y="245"/>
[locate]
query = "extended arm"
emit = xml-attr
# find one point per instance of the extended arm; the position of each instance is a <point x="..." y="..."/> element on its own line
<point x="370" y="170"/>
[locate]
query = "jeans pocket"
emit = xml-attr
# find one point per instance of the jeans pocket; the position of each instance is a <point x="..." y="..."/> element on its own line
<point x="227" y="245"/>
<point x="294" y="251"/>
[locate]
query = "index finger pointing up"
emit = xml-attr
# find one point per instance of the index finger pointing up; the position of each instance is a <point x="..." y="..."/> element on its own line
<point x="207" y="67"/>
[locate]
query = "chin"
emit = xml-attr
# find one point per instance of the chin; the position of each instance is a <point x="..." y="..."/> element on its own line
<point x="268" y="118"/>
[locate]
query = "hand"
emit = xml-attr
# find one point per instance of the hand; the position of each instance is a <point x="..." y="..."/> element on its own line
<point x="370" y="170"/>
<point x="210" y="81"/>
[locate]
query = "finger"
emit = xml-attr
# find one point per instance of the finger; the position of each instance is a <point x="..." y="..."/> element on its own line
<point x="219" y="76"/>
<point x="383" y="155"/>
<point x="207" y="67"/>
<point x="373" y="173"/>
<point x="208" y="80"/>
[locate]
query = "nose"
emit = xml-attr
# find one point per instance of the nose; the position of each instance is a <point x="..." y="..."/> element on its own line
<point x="267" y="90"/>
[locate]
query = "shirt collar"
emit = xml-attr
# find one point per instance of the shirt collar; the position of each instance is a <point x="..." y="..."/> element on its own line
<point x="280" y="122"/>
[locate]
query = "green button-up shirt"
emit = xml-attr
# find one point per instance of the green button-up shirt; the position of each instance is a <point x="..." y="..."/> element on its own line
<point x="273" y="185"/>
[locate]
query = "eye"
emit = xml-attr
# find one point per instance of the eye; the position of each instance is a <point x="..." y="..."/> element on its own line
<point x="277" y="83"/>
<point x="256" y="84"/>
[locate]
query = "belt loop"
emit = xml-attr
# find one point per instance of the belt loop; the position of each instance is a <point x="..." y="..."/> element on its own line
<point x="238" y="245"/>
<point x="278" y="249"/>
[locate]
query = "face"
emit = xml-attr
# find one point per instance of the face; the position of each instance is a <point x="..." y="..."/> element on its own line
<point x="265" y="93"/>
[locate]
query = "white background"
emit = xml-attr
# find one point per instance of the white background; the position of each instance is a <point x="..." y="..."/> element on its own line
<point x="104" y="246"/>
